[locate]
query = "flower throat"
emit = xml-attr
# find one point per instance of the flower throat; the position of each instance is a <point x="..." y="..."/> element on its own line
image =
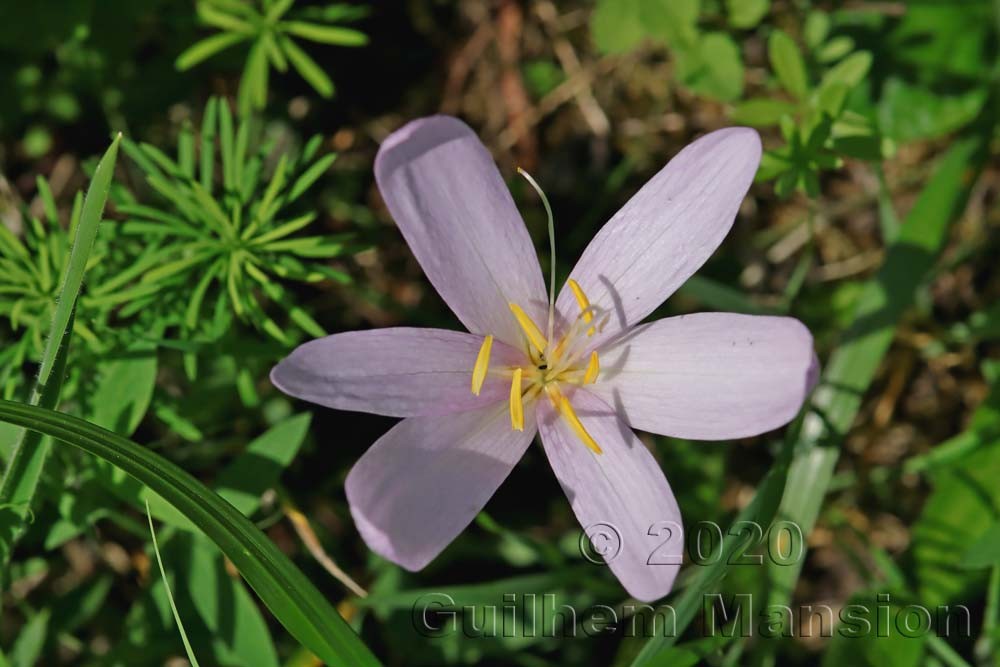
<point x="554" y="363"/>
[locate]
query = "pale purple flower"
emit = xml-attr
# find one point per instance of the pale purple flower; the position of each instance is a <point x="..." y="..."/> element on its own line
<point x="583" y="379"/>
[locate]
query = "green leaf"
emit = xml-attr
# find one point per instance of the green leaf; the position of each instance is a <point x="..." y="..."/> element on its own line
<point x="307" y="67"/>
<point x="124" y="389"/>
<point x="816" y="28"/>
<point x="284" y="229"/>
<point x="308" y="177"/>
<point x="910" y="112"/>
<point x="674" y="21"/>
<point x="207" y="48"/>
<point x="786" y="60"/>
<point x="226" y="140"/>
<point x="278" y="9"/>
<point x="245" y="480"/>
<point x="83" y="243"/>
<point x="746" y="13"/>
<point x="27" y="649"/>
<point x="881" y="646"/>
<point x="294" y="601"/>
<point x="953" y="532"/>
<point x="835" y="49"/>
<point x="325" y="34"/>
<point x="850" y="71"/>
<point x="308" y="246"/>
<point x="761" y="111"/>
<point x="616" y="25"/>
<point x="715" y="69"/>
<point x="221" y="20"/>
<point x="48" y="201"/>
<point x="985" y="552"/>
<point x="253" y="84"/>
<point x="274" y="54"/>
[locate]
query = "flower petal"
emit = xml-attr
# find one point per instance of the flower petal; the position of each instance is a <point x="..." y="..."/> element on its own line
<point x="422" y="483"/>
<point x="620" y="497"/>
<point x="459" y="219"/>
<point x="709" y="376"/>
<point x="399" y="372"/>
<point x="666" y="231"/>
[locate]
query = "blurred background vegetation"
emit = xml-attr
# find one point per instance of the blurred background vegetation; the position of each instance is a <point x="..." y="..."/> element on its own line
<point x="874" y="220"/>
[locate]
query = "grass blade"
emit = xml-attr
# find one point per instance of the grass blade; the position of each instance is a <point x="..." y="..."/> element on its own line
<point x="170" y="596"/>
<point x="28" y="456"/>
<point x="90" y="218"/>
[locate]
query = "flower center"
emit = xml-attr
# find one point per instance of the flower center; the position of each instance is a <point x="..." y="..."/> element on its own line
<point x="553" y="363"/>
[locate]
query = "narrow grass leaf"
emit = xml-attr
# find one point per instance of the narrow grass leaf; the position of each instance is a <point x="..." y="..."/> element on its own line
<point x="170" y="597"/>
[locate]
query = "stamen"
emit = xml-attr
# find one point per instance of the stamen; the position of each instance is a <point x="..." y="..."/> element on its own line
<point x="581" y="299"/>
<point x="593" y="368"/>
<point x="583" y="302"/>
<point x="530" y="329"/>
<point x="566" y="410"/>
<point x="516" y="402"/>
<point x="482" y="365"/>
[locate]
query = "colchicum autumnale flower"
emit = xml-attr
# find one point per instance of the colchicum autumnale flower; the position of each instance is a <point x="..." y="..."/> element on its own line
<point x="582" y="373"/>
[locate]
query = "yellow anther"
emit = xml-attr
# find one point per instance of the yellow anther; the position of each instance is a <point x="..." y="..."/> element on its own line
<point x="530" y="329"/>
<point x="583" y="302"/>
<point x="482" y="365"/>
<point x="566" y="410"/>
<point x="516" y="402"/>
<point x="581" y="299"/>
<point x="593" y="368"/>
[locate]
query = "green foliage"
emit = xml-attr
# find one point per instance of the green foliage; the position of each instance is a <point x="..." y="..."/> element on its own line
<point x="272" y="32"/>
<point x="817" y="123"/>
<point x="709" y="63"/>
<point x="27" y="457"/>
<point x="849" y="372"/>
<point x="283" y="588"/>
<point x="34" y="266"/>
<point x="230" y="237"/>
